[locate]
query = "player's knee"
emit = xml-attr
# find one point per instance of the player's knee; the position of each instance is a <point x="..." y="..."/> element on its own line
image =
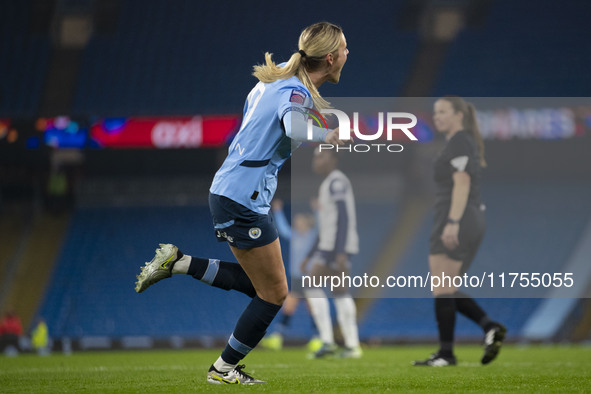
<point x="290" y="304"/>
<point x="275" y="294"/>
<point x="282" y="294"/>
<point x="444" y="291"/>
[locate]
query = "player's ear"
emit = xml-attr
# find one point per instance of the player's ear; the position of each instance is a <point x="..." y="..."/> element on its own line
<point x="329" y="59"/>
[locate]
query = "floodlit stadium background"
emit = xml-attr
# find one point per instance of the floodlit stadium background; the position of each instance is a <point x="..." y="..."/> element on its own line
<point x="115" y="114"/>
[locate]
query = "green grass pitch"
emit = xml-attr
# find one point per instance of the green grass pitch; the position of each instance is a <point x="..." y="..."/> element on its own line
<point x="530" y="369"/>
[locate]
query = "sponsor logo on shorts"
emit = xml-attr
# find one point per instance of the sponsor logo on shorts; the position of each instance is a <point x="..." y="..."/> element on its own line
<point x="254" y="232"/>
<point x="222" y="234"/>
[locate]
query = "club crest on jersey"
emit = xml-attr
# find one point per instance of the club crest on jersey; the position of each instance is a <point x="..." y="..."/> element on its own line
<point x="254" y="232"/>
<point x="297" y="96"/>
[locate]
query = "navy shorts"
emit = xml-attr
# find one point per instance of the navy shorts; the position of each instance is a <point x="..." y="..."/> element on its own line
<point x="238" y="225"/>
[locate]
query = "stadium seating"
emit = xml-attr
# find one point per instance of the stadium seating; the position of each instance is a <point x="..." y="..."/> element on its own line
<point x="91" y="293"/>
<point x="92" y="289"/>
<point x="192" y="57"/>
<point x="524" y="55"/>
<point x="161" y="59"/>
<point x="25" y="59"/>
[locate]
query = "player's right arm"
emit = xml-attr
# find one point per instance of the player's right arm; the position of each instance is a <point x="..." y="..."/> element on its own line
<point x="333" y="138"/>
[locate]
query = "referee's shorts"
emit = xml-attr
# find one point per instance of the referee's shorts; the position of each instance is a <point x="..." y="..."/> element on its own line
<point x="472" y="227"/>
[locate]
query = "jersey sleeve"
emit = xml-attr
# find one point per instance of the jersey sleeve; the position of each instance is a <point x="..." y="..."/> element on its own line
<point x="293" y="98"/>
<point x="293" y="113"/>
<point x="338" y="189"/>
<point x="462" y="155"/>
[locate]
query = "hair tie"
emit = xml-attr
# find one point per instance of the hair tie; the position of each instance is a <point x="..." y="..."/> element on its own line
<point x="301" y="52"/>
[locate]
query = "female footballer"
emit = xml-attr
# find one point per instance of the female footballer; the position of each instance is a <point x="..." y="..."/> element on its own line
<point x="240" y="195"/>
<point x="458" y="226"/>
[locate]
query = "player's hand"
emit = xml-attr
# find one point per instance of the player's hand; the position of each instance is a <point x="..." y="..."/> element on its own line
<point x="449" y="237"/>
<point x="314" y="205"/>
<point x="277" y="205"/>
<point x="304" y="266"/>
<point x="341" y="261"/>
<point x="333" y="138"/>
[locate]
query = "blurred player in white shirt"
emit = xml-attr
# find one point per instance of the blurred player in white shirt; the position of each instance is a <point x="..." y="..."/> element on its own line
<point x="337" y="241"/>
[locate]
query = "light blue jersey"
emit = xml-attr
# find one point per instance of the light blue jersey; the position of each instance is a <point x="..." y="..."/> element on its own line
<point x="249" y="173"/>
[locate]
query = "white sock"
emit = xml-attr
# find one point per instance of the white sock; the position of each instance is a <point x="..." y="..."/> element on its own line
<point x="182" y="266"/>
<point x="320" y="309"/>
<point x="223" y="366"/>
<point x="347" y="317"/>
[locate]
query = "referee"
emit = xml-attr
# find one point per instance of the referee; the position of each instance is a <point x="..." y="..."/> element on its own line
<point x="458" y="226"/>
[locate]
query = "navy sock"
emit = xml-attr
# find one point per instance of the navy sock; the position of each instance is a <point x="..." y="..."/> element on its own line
<point x="445" y="313"/>
<point x="283" y="322"/>
<point x="221" y="274"/>
<point x="250" y="329"/>
<point x="313" y="325"/>
<point x="469" y="308"/>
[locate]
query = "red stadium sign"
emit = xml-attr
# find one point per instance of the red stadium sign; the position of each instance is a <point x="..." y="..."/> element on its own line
<point x="164" y="132"/>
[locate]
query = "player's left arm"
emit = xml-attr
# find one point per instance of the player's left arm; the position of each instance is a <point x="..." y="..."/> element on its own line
<point x="283" y="227"/>
<point x="338" y="190"/>
<point x="461" y="163"/>
<point x="313" y="249"/>
<point x="293" y="104"/>
<point x="459" y="195"/>
<point x="341" y="237"/>
<point x="459" y="200"/>
<point x="294" y="108"/>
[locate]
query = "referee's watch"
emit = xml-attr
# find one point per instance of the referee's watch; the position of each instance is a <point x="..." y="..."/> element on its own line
<point x="452" y="221"/>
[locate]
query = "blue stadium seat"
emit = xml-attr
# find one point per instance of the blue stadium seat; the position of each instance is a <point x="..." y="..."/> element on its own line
<point x="525" y="48"/>
<point x="25" y="60"/>
<point x="196" y="57"/>
<point x="92" y="293"/>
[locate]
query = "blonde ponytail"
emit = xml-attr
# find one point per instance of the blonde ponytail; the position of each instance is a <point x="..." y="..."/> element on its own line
<point x="315" y="42"/>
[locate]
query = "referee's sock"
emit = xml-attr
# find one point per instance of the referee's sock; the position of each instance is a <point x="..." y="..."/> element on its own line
<point x="469" y="308"/>
<point x="220" y="274"/>
<point x="250" y="329"/>
<point x="445" y="313"/>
